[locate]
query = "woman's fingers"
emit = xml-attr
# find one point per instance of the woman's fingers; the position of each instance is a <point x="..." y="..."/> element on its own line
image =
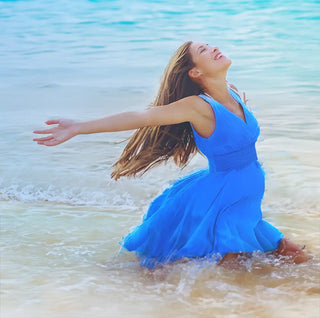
<point x="43" y="139"/>
<point x="49" y="142"/>
<point x="45" y="131"/>
<point x="53" y="121"/>
<point x="48" y="122"/>
<point x="244" y="98"/>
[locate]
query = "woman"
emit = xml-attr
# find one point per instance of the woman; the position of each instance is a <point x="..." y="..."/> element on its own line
<point x="214" y="212"/>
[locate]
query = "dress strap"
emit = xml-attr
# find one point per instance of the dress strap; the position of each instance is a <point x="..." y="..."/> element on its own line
<point x="207" y="98"/>
<point x="237" y="94"/>
<point x="235" y="91"/>
<point x="215" y="107"/>
<point x="211" y="101"/>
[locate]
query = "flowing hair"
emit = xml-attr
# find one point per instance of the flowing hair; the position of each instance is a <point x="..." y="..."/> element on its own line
<point x="150" y="146"/>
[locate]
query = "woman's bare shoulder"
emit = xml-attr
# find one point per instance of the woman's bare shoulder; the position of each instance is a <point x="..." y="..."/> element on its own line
<point x="203" y="120"/>
<point x="237" y="92"/>
<point x="200" y="106"/>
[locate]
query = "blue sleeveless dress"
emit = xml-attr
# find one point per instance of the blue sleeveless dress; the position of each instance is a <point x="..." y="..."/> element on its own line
<point x="212" y="211"/>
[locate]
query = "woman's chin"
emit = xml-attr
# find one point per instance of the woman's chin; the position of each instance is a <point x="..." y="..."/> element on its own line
<point x="228" y="62"/>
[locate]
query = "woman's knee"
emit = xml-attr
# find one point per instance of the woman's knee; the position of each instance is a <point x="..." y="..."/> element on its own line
<point x="231" y="261"/>
<point x="292" y="251"/>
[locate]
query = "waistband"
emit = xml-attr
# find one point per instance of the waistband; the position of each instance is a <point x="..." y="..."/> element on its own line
<point x="233" y="160"/>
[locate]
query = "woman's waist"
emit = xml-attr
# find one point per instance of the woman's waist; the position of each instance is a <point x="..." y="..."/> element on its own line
<point x="233" y="160"/>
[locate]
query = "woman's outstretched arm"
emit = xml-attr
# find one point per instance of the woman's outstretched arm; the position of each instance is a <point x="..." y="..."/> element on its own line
<point x="183" y="110"/>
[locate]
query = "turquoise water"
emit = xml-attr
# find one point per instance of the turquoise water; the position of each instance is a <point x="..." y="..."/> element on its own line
<point x="61" y="214"/>
<point x="58" y="43"/>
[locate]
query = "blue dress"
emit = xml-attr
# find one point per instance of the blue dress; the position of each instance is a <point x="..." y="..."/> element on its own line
<point x="213" y="211"/>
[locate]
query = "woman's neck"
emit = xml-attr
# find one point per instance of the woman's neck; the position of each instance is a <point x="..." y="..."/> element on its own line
<point x="218" y="90"/>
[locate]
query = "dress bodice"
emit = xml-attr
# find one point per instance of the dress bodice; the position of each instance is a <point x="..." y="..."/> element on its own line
<point x="232" y="144"/>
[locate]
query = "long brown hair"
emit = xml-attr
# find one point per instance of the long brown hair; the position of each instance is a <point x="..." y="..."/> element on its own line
<point x="150" y="146"/>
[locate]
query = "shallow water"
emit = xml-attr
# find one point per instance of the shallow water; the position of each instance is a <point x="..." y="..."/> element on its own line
<point x="62" y="216"/>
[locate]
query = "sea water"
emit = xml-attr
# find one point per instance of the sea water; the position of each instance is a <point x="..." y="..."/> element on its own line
<point x="62" y="216"/>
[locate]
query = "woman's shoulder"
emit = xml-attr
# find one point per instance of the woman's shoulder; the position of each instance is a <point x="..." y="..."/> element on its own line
<point x="196" y="102"/>
<point x="203" y="119"/>
<point x="234" y="89"/>
<point x="200" y="104"/>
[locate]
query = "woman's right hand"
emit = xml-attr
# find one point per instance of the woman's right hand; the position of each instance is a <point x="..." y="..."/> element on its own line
<point x="65" y="130"/>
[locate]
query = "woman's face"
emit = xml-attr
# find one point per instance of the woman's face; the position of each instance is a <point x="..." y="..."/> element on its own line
<point x="208" y="60"/>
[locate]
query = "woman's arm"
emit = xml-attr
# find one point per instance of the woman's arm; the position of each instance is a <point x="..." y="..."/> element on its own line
<point x="183" y="110"/>
<point x="174" y="113"/>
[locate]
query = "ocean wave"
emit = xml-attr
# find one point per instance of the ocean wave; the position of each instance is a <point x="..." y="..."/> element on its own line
<point x="111" y="197"/>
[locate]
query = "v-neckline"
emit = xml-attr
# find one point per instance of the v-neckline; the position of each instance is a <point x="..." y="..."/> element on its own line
<point x="245" y="120"/>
